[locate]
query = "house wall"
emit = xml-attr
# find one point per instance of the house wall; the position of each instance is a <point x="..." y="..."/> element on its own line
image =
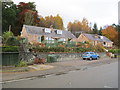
<point x="31" y="38"/>
<point x="24" y="33"/>
<point x="108" y="44"/>
<point x="82" y="38"/>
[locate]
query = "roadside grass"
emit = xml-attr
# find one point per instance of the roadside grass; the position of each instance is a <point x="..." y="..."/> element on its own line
<point x="22" y="70"/>
<point x="118" y="56"/>
<point x="15" y="69"/>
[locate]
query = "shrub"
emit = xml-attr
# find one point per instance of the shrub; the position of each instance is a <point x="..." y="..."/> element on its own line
<point x="21" y="64"/>
<point x="98" y="48"/>
<point x="114" y="50"/>
<point x="61" y="49"/>
<point x="12" y="41"/>
<point x="22" y="40"/>
<point x="10" y="49"/>
<point x="6" y="35"/>
<point x="39" y="61"/>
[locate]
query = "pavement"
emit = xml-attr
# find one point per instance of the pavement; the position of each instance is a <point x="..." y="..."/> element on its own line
<point x="56" y="68"/>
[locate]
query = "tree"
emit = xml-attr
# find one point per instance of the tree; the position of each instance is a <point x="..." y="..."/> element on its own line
<point x="85" y="26"/>
<point x="49" y="20"/>
<point x="56" y="21"/>
<point x="28" y="12"/>
<point x="42" y="22"/>
<point x="95" y="29"/>
<point x="100" y="31"/>
<point x="69" y="26"/>
<point x="111" y="33"/>
<point x="29" y="18"/>
<point x="76" y="27"/>
<point x="117" y="27"/>
<point x="9" y="15"/>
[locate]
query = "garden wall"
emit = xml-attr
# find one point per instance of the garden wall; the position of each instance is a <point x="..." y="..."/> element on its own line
<point x="29" y="56"/>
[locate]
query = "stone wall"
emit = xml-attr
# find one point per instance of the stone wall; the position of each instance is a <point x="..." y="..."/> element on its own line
<point x="29" y="56"/>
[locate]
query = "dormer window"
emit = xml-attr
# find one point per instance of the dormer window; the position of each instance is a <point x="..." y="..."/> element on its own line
<point x="59" y="32"/>
<point x="47" y="30"/>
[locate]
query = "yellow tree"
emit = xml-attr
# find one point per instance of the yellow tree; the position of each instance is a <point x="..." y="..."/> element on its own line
<point x="42" y="22"/>
<point x="58" y="22"/>
<point x="69" y="26"/>
<point x="85" y="26"/>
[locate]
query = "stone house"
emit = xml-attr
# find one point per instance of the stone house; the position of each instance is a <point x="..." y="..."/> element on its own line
<point x="39" y="34"/>
<point x="94" y="39"/>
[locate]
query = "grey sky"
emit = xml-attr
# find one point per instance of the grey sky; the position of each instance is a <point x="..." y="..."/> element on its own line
<point x="102" y="12"/>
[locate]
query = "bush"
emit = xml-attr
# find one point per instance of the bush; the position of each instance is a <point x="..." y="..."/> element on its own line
<point x="9" y="49"/>
<point x="22" y="40"/>
<point x="39" y="61"/>
<point x="114" y="50"/>
<point x="21" y="64"/>
<point x="12" y="41"/>
<point x="6" y="35"/>
<point x="61" y="49"/>
<point x="99" y="48"/>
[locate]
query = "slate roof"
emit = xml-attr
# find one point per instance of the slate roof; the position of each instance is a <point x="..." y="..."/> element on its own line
<point x="40" y="31"/>
<point x="92" y="37"/>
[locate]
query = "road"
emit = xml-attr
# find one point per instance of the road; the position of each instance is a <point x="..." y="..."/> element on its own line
<point x="103" y="76"/>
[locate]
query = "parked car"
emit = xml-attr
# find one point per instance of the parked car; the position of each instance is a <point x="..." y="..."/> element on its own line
<point x="90" y="55"/>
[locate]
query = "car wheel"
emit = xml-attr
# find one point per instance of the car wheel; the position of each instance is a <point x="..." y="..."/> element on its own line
<point x="83" y="58"/>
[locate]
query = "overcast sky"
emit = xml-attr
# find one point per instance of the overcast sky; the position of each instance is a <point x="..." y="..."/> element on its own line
<point x="103" y="12"/>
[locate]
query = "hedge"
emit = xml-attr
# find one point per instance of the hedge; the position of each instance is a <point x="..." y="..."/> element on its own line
<point x="60" y="49"/>
<point x="9" y="48"/>
<point x="114" y="50"/>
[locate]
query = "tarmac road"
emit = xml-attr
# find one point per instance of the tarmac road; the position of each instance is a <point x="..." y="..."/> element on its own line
<point x="103" y="76"/>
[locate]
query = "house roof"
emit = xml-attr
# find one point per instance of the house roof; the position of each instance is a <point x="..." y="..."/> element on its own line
<point x="79" y="32"/>
<point x="92" y="37"/>
<point x="40" y="31"/>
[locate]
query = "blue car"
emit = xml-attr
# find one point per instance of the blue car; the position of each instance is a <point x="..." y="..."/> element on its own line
<point x="90" y="55"/>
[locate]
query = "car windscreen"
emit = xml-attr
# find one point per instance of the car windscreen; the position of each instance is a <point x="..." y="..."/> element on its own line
<point x="86" y="53"/>
<point x="92" y="53"/>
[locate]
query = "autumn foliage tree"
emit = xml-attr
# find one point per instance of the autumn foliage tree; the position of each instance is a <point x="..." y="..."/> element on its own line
<point x="85" y="26"/>
<point x="56" y="21"/>
<point x="77" y="26"/>
<point x="28" y="14"/>
<point x="111" y="33"/>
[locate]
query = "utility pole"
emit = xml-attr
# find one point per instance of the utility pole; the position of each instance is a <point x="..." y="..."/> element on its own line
<point x="119" y="13"/>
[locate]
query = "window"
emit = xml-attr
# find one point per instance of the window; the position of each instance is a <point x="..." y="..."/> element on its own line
<point x="104" y="43"/>
<point x="49" y="40"/>
<point x="47" y="30"/>
<point x="59" y="32"/>
<point x="39" y="39"/>
<point x="42" y="38"/>
<point x="92" y="53"/>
